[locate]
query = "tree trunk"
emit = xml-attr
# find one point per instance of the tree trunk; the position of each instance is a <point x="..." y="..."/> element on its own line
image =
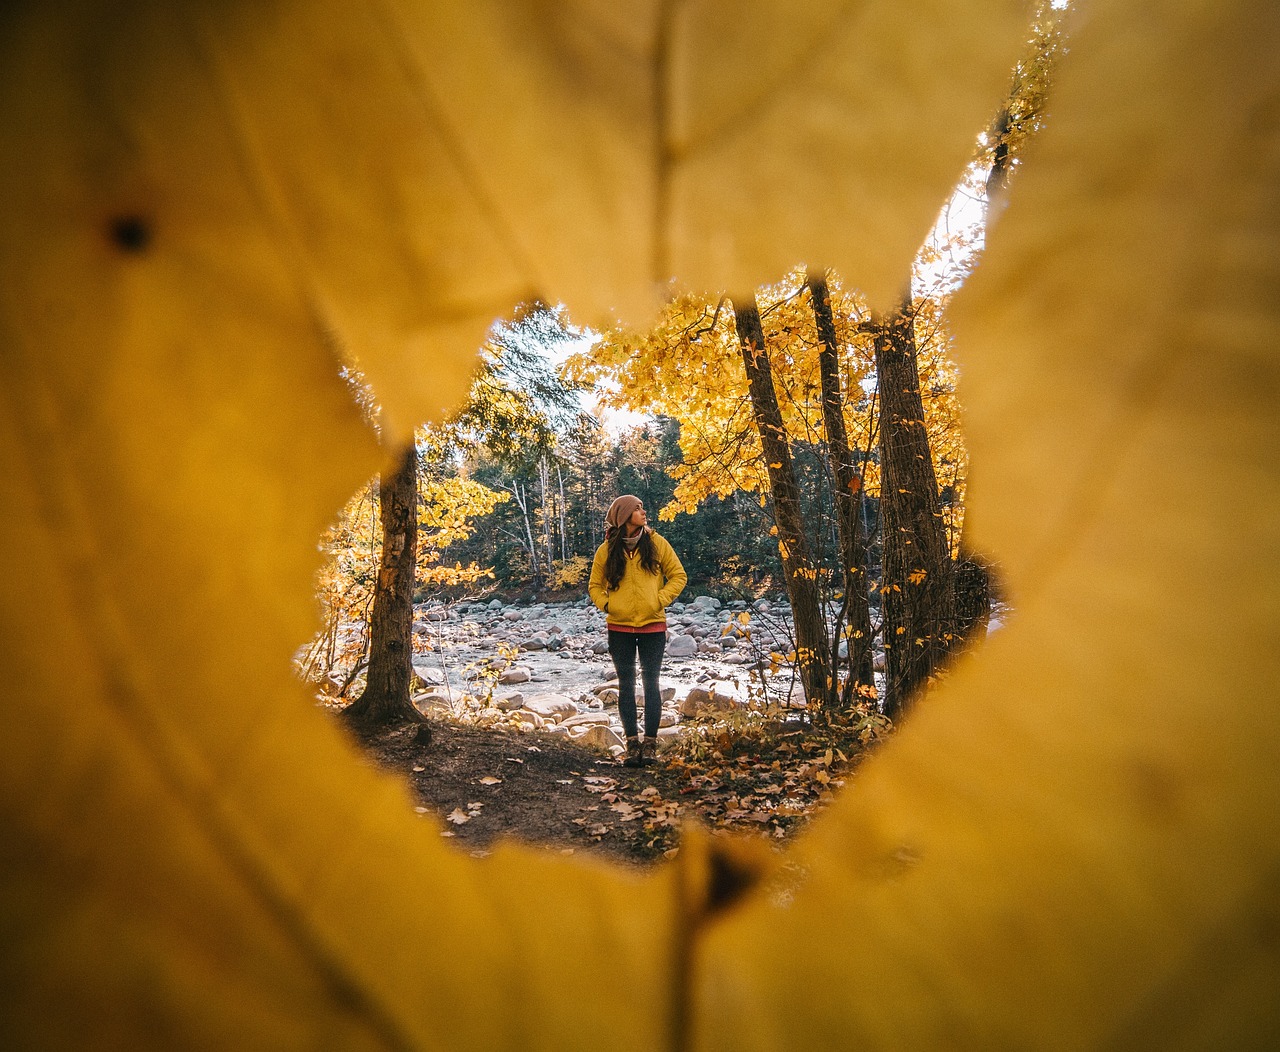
<point x="531" y="545"/>
<point x="385" y="700"/>
<point x="918" y="593"/>
<point x="564" y="526"/>
<point x="813" y="653"/>
<point x="848" y="498"/>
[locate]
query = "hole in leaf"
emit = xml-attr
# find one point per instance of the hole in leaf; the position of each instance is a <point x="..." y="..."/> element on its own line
<point x="802" y="457"/>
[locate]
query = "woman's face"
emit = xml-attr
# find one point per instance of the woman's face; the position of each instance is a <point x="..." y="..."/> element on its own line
<point x="637" y="520"/>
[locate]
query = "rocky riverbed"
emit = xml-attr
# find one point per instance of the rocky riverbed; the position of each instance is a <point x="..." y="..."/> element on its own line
<point x="546" y="666"/>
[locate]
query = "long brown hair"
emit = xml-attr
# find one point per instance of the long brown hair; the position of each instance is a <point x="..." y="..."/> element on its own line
<point x="615" y="562"/>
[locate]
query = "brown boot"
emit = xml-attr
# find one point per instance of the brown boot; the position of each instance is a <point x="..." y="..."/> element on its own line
<point x="635" y="755"/>
<point x="648" y="751"/>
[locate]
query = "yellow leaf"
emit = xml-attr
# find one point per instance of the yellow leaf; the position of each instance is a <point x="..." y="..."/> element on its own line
<point x="489" y="779"/>
<point x="207" y="213"/>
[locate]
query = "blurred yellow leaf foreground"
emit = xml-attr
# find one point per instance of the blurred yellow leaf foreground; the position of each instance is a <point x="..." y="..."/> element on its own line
<point x="208" y="207"/>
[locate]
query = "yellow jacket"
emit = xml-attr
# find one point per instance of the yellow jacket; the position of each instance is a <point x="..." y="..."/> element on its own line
<point x="641" y="598"/>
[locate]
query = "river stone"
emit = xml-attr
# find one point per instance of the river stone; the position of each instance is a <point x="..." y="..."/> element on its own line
<point x="600" y="647"/>
<point x="518" y="674"/>
<point x="586" y="719"/>
<point x="551" y="706"/>
<point x="608" y="696"/>
<point x="705" y="603"/>
<point x="529" y="721"/>
<point x="538" y="641"/>
<point x="667" y="694"/>
<point x="425" y="678"/>
<point x="601" y="736"/>
<point x="432" y="702"/>
<point x="510" y="700"/>
<point x="682" y="646"/>
<point x="669" y="718"/>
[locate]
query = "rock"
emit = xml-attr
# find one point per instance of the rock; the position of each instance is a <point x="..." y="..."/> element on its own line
<point x="557" y="643"/>
<point x="682" y="646"/>
<point x="534" y="642"/>
<point x="554" y="707"/>
<point x="669" y="718"/>
<point x="557" y="730"/>
<point x="530" y="721"/>
<point x="555" y="630"/>
<point x="517" y="674"/>
<point x="668" y="694"/>
<point x="705" y="604"/>
<point x="431" y="702"/>
<point x="512" y="615"/>
<point x="494" y="604"/>
<point x="608" y="696"/>
<point x="728" y="642"/>
<point x="511" y="700"/>
<point x="586" y="719"/>
<point x="694" y="700"/>
<point x="736" y="659"/>
<point x="600" y="647"/>
<point x="425" y="678"/>
<point x="706" y="647"/>
<point x="762" y="606"/>
<point x="738" y="604"/>
<point x="437" y="613"/>
<point x="601" y="736"/>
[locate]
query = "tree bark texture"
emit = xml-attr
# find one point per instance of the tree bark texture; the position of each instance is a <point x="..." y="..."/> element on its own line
<point x="848" y="501"/>
<point x="386" y="694"/>
<point x="813" y="654"/>
<point x="918" y="600"/>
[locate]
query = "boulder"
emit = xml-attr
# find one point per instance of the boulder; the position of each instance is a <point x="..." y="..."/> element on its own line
<point x="669" y="718"/>
<point x="668" y="694"/>
<point x="586" y="719"/>
<point x="432" y="702"/>
<point x="553" y="707"/>
<point x="703" y="699"/>
<point x="682" y="646"/>
<point x="600" y="647"/>
<point x="762" y="606"/>
<point x="608" y="696"/>
<point x="529" y="721"/>
<point x="512" y="699"/>
<point x="705" y="603"/>
<point x="437" y="613"/>
<point x="512" y="615"/>
<point x="425" y="678"/>
<point x="494" y="604"/>
<point x="602" y="736"/>
<point x="538" y="641"/>
<point x="516" y="674"/>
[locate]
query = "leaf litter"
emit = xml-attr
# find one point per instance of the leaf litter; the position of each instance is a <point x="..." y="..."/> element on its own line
<point x="725" y="776"/>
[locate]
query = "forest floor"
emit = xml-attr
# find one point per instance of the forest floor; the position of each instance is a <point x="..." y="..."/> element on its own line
<point x="753" y="777"/>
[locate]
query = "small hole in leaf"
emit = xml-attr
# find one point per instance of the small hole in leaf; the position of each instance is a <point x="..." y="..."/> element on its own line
<point x="131" y="233"/>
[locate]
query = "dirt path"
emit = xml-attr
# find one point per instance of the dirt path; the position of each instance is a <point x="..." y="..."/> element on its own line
<point x="540" y="789"/>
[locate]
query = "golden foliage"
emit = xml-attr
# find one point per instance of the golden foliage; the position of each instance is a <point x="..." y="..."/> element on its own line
<point x="1074" y="842"/>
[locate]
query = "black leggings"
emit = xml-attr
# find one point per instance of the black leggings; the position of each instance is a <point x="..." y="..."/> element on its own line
<point x="623" y="647"/>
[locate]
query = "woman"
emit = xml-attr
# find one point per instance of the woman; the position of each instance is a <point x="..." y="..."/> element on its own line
<point x="634" y="577"/>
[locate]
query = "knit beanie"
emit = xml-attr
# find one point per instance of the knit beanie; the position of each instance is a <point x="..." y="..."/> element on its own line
<point x="621" y="509"/>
